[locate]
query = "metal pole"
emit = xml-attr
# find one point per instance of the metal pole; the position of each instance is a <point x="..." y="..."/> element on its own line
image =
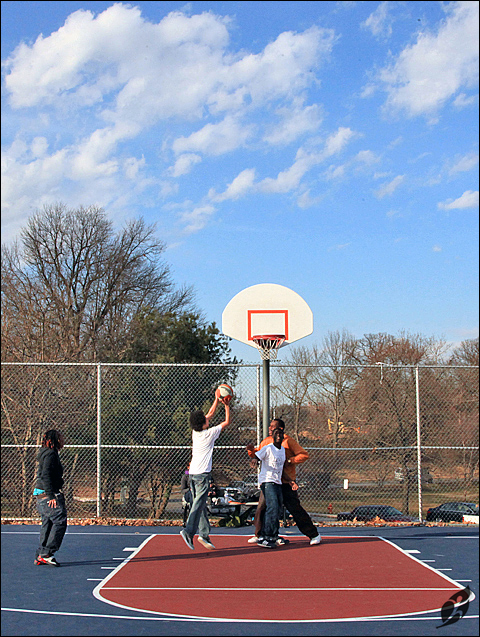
<point x="99" y="440"/>
<point x="259" y="412"/>
<point x="266" y="397"/>
<point x="419" y="448"/>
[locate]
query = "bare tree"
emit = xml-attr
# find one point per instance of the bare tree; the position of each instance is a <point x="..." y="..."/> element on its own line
<point x="294" y="381"/>
<point x="71" y="286"/>
<point x="334" y="378"/>
<point x="467" y="353"/>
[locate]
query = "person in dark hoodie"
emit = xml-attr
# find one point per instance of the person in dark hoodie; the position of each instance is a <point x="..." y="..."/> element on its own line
<point x="50" y="499"/>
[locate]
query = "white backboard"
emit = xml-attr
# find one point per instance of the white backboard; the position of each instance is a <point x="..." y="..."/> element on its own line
<point x="267" y="308"/>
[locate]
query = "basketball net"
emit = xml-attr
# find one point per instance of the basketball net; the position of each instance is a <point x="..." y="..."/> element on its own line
<point x="269" y="345"/>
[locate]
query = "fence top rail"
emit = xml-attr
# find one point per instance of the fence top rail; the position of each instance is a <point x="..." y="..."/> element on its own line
<point x="135" y="364"/>
<point x="80" y="446"/>
<point x="276" y="365"/>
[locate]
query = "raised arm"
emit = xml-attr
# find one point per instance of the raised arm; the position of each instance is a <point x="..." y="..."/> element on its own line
<point x="226" y="422"/>
<point x="213" y="408"/>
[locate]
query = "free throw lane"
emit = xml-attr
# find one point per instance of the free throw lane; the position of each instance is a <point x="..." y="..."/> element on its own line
<point x="342" y="578"/>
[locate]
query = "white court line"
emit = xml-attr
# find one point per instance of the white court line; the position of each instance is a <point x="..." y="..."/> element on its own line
<point x="269" y="588"/>
<point x="449" y="586"/>
<point x="219" y="621"/>
<point x="411" y="551"/>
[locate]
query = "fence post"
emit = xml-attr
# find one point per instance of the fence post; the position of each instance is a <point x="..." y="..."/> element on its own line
<point x="99" y="440"/>
<point x="259" y="421"/>
<point x="419" y="448"/>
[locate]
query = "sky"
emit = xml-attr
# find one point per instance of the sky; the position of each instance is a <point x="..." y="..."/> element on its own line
<point x="329" y="147"/>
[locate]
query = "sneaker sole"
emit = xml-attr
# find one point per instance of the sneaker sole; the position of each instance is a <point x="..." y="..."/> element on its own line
<point x="207" y="545"/>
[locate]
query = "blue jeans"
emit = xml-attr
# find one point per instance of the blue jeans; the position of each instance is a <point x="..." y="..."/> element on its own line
<point x="54" y="525"/>
<point x="198" y="518"/>
<point x="274" y="503"/>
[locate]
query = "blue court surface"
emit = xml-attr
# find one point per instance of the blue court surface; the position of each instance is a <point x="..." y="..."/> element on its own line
<point x="42" y="600"/>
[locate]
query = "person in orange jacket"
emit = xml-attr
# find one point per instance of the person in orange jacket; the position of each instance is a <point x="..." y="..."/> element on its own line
<point x="295" y="454"/>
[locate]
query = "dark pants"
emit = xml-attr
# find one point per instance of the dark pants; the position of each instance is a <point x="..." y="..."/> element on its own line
<point x="272" y="494"/>
<point x="291" y="502"/>
<point x="54" y="525"/>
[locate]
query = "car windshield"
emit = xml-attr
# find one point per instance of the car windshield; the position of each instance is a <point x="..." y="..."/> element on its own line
<point x="389" y="510"/>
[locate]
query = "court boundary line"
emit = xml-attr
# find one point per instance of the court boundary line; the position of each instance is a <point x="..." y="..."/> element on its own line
<point x="225" y="588"/>
<point x="97" y="590"/>
<point x="213" y="621"/>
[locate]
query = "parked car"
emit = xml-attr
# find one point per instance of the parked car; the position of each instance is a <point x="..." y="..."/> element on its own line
<point x="451" y="512"/>
<point x="370" y="512"/>
<point x="413" y="475"/>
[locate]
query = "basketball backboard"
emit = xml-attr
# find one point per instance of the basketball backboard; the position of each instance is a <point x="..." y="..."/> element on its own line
<point x="267" y="308"/>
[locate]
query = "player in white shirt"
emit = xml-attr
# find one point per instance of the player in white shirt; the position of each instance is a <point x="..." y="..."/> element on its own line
<point x="203" y="440"/>
<point x="272" y="459"/>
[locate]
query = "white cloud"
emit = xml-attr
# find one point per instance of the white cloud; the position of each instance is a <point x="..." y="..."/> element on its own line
<point x="464" y="164"/>
<point x="463" y="100"/>
<point x="437" y="248"/>
<point x="240" y="186"/>
<point x="337" y="141"/>
<point x="184" y="164"/>
<point x="295" y="120"/>
<point x="437" y="66"/>
<point x="290" y="178"/>
<point x="380" y="21"/>
<point x="196" y="219"/>
<point x="367" y="157"/>
<point x="469" y="199"/>
<point x="104" y="79"/>
<point x="215" y="139"/>
<point x="390" y="187"/>
<point x="335" y="172"/>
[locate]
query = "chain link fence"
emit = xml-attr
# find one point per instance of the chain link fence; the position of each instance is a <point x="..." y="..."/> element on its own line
<point x="401" y="436"/>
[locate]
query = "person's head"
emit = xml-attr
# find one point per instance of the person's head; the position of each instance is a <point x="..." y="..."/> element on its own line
<point x="276" y="423"/>
<point x="197" y="420"/>
<point x="53" y="439"/>
<point x="278" y="435"/>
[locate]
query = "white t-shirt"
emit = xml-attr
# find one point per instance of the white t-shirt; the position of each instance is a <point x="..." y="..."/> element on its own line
<point x="202" y="449"/>
<point x="273" y="460"/>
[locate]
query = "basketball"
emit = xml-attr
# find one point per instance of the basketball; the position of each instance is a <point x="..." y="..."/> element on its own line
<point x="226" y="392"/>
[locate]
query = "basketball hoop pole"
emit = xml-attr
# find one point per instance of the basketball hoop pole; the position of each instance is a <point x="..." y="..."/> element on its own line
<point x="266" y="397"/>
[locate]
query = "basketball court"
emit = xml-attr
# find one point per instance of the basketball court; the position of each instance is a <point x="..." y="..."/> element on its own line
<point x="114" y="577"/>
<point x="145" y="581"/>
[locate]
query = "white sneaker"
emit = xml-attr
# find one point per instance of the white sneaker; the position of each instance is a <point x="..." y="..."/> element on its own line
<point x="205" y="542"/>
<point x="316" y="540"/>
<point x="253" y="540"/>
<point x="282" y="541"/>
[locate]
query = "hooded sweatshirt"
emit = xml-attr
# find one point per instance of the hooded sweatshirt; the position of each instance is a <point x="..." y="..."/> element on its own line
<point x="49" y="472"/>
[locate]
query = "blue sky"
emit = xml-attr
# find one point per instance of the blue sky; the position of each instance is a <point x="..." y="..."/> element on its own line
<point x="330" y="147"/>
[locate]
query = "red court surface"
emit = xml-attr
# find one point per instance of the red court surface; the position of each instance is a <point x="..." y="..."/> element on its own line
<point x="342" y="578"/>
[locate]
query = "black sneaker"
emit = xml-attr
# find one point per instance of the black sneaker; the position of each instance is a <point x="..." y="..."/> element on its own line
<point x="188" y="540"/>
<point x="267" y="544"/>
